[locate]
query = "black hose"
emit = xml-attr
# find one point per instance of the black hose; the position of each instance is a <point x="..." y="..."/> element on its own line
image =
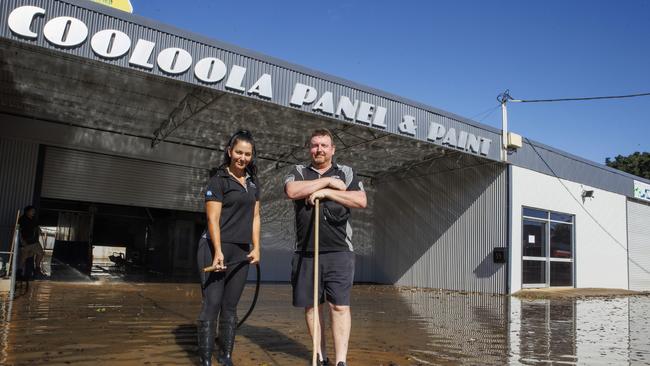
<point x="257" y="293"/>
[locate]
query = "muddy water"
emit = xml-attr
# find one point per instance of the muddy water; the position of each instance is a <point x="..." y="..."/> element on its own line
<point x="105" y="323"/>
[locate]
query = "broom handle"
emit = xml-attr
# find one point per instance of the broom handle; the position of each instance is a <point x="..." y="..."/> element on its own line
<point x="315" y="321"/>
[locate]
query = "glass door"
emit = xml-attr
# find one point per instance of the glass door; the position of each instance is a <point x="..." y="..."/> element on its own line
<point x="534" y="254"/>
<point x="547" y="248"/>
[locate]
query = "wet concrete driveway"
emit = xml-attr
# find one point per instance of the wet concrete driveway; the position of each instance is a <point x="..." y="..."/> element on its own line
<point x="118" y="323"/>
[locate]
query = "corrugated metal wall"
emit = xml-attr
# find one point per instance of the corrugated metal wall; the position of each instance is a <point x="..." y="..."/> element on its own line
<point x="638" y="236"/>
<point x="438" y="229"/>
<point x="18" y="162"/>
<point x="89" y="177"/>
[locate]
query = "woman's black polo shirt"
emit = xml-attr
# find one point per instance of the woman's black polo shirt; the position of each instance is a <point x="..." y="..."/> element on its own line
<point x="237" y="206"/>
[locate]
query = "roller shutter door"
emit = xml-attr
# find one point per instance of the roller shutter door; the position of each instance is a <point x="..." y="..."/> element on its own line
<point x="638" y="234"/>
<point x="92" y="177"/>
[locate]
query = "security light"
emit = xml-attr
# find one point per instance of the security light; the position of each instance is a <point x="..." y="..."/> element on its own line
<point x="587" y="193"/>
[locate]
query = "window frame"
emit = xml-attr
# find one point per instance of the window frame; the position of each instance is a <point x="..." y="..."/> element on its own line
<point x="547" y="258"/>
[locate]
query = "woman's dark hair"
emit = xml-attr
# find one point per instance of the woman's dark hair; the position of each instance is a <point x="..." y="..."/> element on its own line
<point x="246" y="136"/>
<point x="27" y="208"/>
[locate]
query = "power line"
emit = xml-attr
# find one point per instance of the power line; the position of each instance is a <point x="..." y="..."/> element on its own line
<point x="489" y="110"/>
<point x="489" y="114"/>
<point x="574" y="99"/>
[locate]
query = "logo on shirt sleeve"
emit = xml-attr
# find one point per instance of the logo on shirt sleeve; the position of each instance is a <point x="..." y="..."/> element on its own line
<point x="208" y="194"/>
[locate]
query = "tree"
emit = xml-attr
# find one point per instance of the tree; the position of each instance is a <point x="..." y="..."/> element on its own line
<point x="637" y="164"/>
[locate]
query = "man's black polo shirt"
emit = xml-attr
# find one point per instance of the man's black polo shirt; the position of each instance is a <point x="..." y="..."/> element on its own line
<point x="237" y="206"/>
<point x="333" y="236"/>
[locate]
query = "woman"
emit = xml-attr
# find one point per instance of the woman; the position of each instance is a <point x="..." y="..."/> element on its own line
<point x="232" y="205"/>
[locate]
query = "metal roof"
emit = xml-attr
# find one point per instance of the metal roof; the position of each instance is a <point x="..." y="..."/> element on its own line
<point x="139" y="101"/>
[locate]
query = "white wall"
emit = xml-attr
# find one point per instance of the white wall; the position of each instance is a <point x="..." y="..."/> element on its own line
<point x="600" y="259"/>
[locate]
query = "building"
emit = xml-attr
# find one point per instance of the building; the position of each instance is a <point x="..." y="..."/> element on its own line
<point x="110" y="124"/>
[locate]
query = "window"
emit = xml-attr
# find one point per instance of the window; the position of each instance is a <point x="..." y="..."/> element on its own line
<point x="547" y="248"/>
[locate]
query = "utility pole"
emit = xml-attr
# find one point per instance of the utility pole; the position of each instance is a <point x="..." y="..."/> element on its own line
<point x="503" y="99"/>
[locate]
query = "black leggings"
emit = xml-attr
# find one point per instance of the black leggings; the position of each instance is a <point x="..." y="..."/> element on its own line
<point x="222" y="290"/>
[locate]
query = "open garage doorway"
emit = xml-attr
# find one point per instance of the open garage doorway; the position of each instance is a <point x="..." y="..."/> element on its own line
<point x="99" y="241"/>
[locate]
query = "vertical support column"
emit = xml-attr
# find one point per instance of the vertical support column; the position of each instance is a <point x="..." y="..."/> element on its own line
<point x="504" y="130"/>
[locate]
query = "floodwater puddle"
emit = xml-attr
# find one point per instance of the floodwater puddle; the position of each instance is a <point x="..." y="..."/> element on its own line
<point x="125" y="323"/>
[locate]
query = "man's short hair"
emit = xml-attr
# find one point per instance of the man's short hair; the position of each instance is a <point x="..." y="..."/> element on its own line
<point x="321" y="132"/>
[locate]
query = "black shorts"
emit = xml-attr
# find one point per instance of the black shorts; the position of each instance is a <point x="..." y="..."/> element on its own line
<point x="336" y="272"/>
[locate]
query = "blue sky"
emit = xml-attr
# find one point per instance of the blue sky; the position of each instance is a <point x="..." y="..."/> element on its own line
<point x="459" y="55"/>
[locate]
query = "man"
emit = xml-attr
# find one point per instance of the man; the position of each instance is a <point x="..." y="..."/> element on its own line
<point x="30" y="233"/>
<point x="338" y="189"/>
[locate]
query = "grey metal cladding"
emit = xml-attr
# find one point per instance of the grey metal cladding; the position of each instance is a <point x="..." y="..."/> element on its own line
<point x="445" y="234"/>
<point x="18" y="160"/>
<point x="91" y="177"/>
<point x="566" y="166"/>
<point x="284" y="75"/>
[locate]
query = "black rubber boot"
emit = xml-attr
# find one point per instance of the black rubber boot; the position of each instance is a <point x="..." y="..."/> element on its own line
<point x="206" y="331"/>
<point x="226" y="339"/>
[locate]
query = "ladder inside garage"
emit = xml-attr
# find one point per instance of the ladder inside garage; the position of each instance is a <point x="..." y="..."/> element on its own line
<point x="8" y="279"/>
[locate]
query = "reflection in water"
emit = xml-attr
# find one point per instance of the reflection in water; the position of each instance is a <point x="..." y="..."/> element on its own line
<point x="541" y="332"/>
<point x="639" y="312"/>
<point x="5" y="318"/>
<point x="470" y="328"/>
<point x="123" y="323"/>
<point x="585" y="331"/>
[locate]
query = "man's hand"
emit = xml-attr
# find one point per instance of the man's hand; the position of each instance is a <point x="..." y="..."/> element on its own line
<point x="321" y="194"/>
<point x="337" y="184"/>
<point x="303" y="189"/>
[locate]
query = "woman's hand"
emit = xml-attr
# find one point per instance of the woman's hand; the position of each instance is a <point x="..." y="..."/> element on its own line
<point x="254" y="256"/>
<point x="218" y="262"/>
